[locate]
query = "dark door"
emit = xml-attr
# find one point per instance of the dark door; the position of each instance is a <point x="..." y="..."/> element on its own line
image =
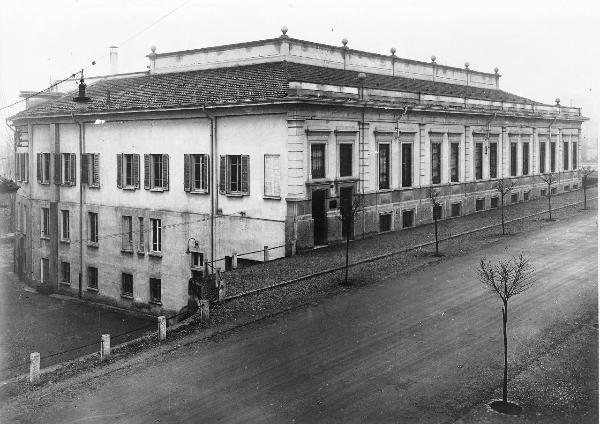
<point x="346" y="210"/>
<point x="319" y="216"/>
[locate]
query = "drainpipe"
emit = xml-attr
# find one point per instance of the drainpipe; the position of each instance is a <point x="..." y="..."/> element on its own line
<point x="81" y="136"/>
<point x="213" y="186"/>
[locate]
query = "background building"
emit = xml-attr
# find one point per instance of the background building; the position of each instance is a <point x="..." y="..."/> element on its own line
<point x="232" y="148"/>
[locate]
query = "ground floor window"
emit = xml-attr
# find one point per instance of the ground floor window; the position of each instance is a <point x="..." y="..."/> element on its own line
<point x="567" y="188"/>
<point x="455" y="209"/>
<point x="156" y="235"/>
<point x="408" y="218"/>
<point x="437" y="212"/>
<point x="126" y="285"/>
<point x="197" y="259"/>
<point x="92" y="278"/>
<point x="45" y="270"/>
<point x="385" y="222"/>
<point x="65" y="272"/>
<point x="494" y="202"/>
<point x="155" y="290"/>
<point x="479" y="204"/>
<point x="526" y="196"/>
<point x="514" y="198"/>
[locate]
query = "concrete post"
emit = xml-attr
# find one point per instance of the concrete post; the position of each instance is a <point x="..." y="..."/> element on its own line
<point x="222" y="291"/>
<point x="204" y="311"/>
<point x="266" y="253"/>
<point x="217" y="277"/>
<point x="34" y="367"/>
<point x="162" y="328"/>
<point x="105" y="347"/>
<point x="234" y="260"/>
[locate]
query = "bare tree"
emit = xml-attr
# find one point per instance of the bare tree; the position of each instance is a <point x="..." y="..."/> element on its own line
<point x="585" y="172"/>
<point x="506" y="278"/>
<point x="504" y="187"/>
<point x="434" y="198"/>
<point x="549" y="178"/>
<point x="348" y="212"/>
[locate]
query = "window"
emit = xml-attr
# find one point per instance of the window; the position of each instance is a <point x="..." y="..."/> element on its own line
<point x="455" y="209"/>
<point x="525" y="158"/>
<point x="65" y="169"/>
<point x="93" y="227"/>
<point x="478" y="161"/>
<point x="43" y="168"/>
<point x="494" y="202"/>
<point x="346" y="159"/>
<point x="406" y="160"/>
<point x="514" y="198"/>
<point x="65" y="272"/>
<point x="126" y="285"/>
<point x="156" y="172"/>
<point x="141" y="241"/>
<point x="195" y="173"/>
<point x="128" y="171"/>
<point x="553" y="190"/>
<point x="45" y="270"/>
<point x="408" y="218"/>
<point x="543" y="192"/>
<point x="542" y="157"/>
<point x="513" y="159"/>
<point x="22" y="167"/>
<point x="272" y="176"/>
<point x="575" y="186"/>
<point x="479" y="204"/>
<point x="197" y="259"/>
<point x="384" y="166"/>
<point x="574" y="154"/>
<point x="90" y="169"/>
<point x="436" y="157"/>
<point x="127" y="234"/>
<point x="493" y="160"/>
<point x="385" y="222"/>
<point x="155" y="224"/>
<point x="45" y="224"/>
<point x="526" y="195"/>
<point x="565" y="155"/>
<point x="553" y="155"/>
<point x="437" y="212"/>
<point x="454" y="148"/>
<point x="567" y="188"/>
<point x="235" y="175"/>
<point x="65" y="233"/>
<point x="155" y="291"/>
<point x="92" y="282"/>
<point x="317" y="161"/>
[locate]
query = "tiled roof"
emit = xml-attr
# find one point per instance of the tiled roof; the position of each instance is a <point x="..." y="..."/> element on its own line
<point x="239" y="84"/>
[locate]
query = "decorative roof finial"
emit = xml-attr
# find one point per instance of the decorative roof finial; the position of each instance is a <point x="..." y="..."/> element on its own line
<point x="393" y="51"/>
<point x="344" y="42"/>
<point x="433" y="58"/>
<point x="284" y="30"/>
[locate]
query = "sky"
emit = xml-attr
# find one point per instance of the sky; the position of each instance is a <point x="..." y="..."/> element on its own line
<point x="544" y="49"/>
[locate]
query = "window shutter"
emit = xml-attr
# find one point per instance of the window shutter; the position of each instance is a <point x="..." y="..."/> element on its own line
<point x="26" y="175"/>
<point x="96" y="170"/>
<point x="136" y="170"/>
<point x="119" y="171"/>
<point x="57" y="168"/>
<point x="245" y="174"/>
<point x="84" y="165"/>
<point x="124" y="234"/>
<point x="205" y="174"/>
<point x="39" y="167"/>
<point x="222" y="173"/>
<point x="187" y="172"/>
<point x="276" y="176"/>
<point x="165" y="172"/>
<point x="73" y="169"/>
<point x="147" y="172"/>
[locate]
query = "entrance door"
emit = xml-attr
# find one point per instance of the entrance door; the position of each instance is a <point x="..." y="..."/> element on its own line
<point x="346" y="208"/>
<point x="319" y="216"/>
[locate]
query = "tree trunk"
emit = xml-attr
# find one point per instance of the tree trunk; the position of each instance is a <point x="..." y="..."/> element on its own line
<point x="505" y="383"/>
<point x="437" y="251"/>
<point x="584" y="193"/>
<point x="502" y="213"/>
<point x="347" y="247"/>
<point x="549" y="206"/>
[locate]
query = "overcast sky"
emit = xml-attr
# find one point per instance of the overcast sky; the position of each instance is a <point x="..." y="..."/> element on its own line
<point x="544" y="49"/>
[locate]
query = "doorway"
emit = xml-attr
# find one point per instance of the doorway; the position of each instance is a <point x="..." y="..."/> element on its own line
<point x="319" y="216"/>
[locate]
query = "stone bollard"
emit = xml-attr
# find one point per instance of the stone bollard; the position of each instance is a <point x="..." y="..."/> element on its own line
<point x="34" y="367"/>
<point x="266" y="252"/>
<point x="162" y="328"/>
<point x="204" y="311"/>
<point x="217" y="277"/>
<point x="234" y="260"/>
<point x="105" y="347"/>
<point x="222" y="291"/>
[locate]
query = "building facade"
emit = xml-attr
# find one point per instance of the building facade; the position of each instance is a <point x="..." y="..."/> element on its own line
<point x="221" y="151"/>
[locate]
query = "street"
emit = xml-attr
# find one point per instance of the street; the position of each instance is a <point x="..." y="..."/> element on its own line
<point x="421" y="348"/>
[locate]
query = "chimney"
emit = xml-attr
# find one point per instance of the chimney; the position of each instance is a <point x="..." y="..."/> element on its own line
<point x="114" y="60"/>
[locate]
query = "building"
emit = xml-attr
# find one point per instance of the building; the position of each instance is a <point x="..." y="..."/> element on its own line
<point x="232" y="148"/>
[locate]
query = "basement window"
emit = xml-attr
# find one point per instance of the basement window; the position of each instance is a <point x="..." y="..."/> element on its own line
<point x="408" y="218"/>
<point x="575" y="186"/>
<point x="455" y="210"/>
<point x="543" y="192"/>
<point x="385" y="222"/>
<point x="494" y="202"/>
<point x="526" y="196"/>
<point x="567" y="188"/>
<point x="553" y="190"/>
<point x="514" y="198"/>
<point x="479" y="204"/>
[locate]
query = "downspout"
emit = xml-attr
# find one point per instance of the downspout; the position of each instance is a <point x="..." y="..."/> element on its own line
<point x="81" y="135"/>
<point x="213" y="185"/>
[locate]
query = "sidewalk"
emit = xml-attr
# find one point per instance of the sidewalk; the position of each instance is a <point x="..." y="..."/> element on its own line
<point x="266" y="274"/>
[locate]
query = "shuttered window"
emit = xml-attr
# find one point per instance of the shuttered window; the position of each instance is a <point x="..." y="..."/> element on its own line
<point x="234" y="174"/>
<point x="195" y="173"/>
<point x="22" y="167"/>
<point x="90" y="169"/>
<point x="65" y="173"/>
<point x="272" y="176"/>
<point x="384" y="166"/>
<point x="127" y="234"/>
<point x="128" y="171"/>
<point x="43" y="168"/>
<point x="156" y="172"/>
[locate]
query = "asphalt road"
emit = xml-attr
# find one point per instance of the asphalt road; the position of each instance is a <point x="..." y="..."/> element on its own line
<point x="32" y="322"/>
<point x="422" y="348"/>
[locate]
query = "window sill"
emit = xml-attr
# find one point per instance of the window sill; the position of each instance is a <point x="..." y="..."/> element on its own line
<point x="131" y="188"/>
<point x="271" y="197"/>
<point x="155" y="302"/>
<point x="92" y="244"/>
<point x="92" y="289"/>
<point x="45" y="182"/>
<point x="385" y="190"/>
<point x="66" y="241"/>
<point x="127" y="251"/>
<point x="155" y="254"/>
<point x="65" y="283"/>
<point x="94" y="186"/>
<point x="141" y="253"/>
<point x="44" y="237"/>
<point x="127" y="296"/>
<point x="235" y="194"/>
<point x="198" y="192"/>
<point x="347" y="178"/>
<point x="157" y="190"/>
